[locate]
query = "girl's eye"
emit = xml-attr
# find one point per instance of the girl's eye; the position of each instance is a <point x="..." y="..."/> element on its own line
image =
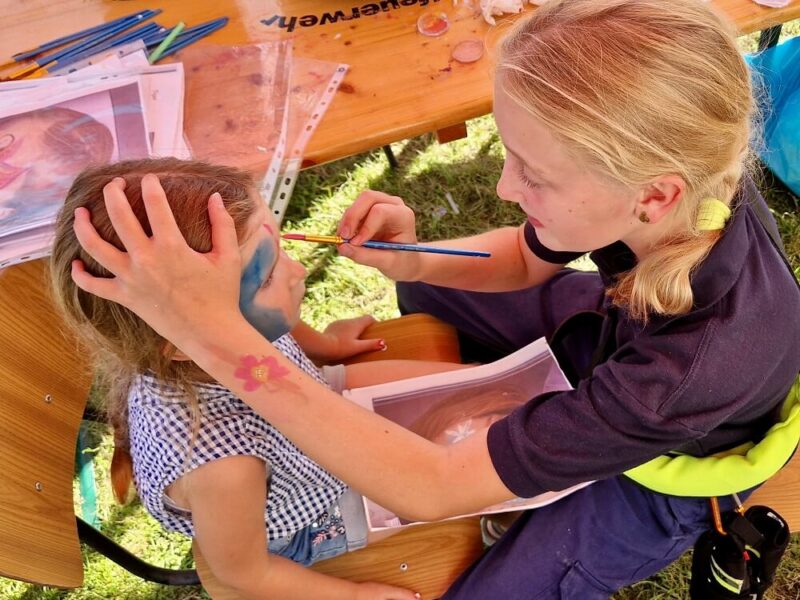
<point x="524" y="178"/>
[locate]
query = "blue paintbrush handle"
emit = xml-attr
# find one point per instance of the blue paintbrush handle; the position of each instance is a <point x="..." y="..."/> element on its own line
<point x="97" y="38"/>
<point x="20" y="56"/>
<point x="415" y="248"/>
<point x="155" y="39"/>
<point x="131" y="36"/>
<point x="183" y="40"/>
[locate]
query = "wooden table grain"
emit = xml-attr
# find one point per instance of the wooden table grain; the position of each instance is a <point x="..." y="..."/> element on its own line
<point x="401" y="84"/>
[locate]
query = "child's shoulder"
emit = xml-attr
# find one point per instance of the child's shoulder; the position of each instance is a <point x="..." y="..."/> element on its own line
<point x="147" y="388"/>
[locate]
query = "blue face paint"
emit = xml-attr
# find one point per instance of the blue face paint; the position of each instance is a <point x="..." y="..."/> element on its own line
<point x="270" y="322"/>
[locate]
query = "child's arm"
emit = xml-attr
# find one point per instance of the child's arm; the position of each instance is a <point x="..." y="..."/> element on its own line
<point x="340" y="340"/>
<point x="382" y="371"/>
<point x="227" y="499"/>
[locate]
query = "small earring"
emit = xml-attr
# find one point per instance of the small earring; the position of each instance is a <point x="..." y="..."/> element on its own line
<point x="643" y="217"/>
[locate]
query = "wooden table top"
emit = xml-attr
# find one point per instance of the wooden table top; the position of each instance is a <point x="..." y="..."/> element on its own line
<point x="401" y="84"/>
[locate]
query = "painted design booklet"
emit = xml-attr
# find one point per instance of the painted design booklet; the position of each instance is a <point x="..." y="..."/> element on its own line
<point x="448" y="407"/>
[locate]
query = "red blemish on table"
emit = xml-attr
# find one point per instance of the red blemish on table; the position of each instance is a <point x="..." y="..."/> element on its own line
<point x="347" y="88"/>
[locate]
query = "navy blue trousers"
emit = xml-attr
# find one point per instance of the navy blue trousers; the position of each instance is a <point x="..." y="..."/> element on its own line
<point x="597" y="540"/>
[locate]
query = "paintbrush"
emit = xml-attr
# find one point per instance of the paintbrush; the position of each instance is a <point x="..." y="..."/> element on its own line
<point x="376" y="245"/>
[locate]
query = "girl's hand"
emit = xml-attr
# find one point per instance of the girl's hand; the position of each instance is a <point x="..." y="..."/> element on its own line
<point x="379" y="591"/>
<point x="160" y="277"/>
<point x="344" y="339"/>
<point x="379" y="216"/>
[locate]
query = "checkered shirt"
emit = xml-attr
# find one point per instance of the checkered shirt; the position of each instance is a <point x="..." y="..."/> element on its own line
<point x="160" y="423"/>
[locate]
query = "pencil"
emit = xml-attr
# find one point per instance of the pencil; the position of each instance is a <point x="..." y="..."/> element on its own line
<point x="377" y="245"/>
<point x="156" y="54"/>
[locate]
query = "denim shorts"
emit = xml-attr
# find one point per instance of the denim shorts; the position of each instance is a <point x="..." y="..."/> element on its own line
<point x="342" y="528"/>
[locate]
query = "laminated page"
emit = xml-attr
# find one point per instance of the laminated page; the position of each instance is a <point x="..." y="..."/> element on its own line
<point x="447" y="408"/>
<point x="235" y="103"/>
<point x="45" y="143"/>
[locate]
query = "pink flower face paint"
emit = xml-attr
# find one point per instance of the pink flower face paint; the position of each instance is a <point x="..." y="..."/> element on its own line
<point x="270" y="322"/>
<point x="256" y="373"/>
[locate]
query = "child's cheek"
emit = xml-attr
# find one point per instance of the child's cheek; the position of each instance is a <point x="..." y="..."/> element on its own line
<point x="271" y="323"/>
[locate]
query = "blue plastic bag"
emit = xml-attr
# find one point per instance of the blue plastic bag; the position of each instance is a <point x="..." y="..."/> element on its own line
<point x="779" y="68"/>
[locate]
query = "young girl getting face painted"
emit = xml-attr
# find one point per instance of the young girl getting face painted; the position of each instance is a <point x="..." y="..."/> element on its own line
<point x="197" y="450"/>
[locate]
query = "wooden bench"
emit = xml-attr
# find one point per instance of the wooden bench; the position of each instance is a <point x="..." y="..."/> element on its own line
<point x="44" y="382"/>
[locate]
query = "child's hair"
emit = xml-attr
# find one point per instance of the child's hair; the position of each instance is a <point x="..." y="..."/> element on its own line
<point x="638" y="89"/>
<point x="460" y="407"/>
<point x="120" y="343"/>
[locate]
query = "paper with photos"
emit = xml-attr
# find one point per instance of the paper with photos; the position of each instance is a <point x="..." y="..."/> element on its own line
<point x="48" y="139"/>
<point x="447" y="408"/>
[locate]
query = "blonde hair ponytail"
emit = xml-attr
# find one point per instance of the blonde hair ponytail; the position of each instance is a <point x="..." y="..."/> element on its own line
<point x="637" y="89"/>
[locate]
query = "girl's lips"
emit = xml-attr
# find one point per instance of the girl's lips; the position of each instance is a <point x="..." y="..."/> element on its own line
<point x="535" y="222"/>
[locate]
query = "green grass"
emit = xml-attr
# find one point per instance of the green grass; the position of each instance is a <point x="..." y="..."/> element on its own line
<point x="468" y="170"/>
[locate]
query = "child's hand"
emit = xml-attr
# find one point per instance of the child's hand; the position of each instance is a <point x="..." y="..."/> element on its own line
<point x="343" y="339"/>
<point x="379" y="591"/>
<point x="159" y="277"/>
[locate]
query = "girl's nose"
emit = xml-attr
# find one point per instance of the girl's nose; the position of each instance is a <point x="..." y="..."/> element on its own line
<point x="505" y="188"/>
<point x="298" y="269"/>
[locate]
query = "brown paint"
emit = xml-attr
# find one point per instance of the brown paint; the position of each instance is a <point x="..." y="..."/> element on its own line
<point x="347" y="88"/>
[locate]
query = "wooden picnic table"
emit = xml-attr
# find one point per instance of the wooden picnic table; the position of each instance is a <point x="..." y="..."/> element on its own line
<point x="400" y="84"/>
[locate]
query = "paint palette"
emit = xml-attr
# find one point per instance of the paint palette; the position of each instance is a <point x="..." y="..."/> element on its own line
<point x="433" y="24"/>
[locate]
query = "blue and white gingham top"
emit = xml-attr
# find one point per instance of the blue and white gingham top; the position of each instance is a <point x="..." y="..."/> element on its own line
<point x="160" y="425"/>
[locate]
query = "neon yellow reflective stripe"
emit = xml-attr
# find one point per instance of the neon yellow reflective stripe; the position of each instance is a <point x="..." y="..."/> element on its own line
<point x="729" y="583"/>
<point x="723" y="475"/>
<point x="752" y="551"/>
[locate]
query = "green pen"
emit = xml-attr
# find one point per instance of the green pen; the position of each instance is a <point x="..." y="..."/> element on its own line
<point x="156" y="54"/>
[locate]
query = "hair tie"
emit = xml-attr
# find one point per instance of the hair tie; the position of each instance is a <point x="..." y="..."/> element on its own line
<point x="712" y="215"/>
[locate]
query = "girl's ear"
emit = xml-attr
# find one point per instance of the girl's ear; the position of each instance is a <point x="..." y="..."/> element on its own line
<point x="660" y="197"/>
